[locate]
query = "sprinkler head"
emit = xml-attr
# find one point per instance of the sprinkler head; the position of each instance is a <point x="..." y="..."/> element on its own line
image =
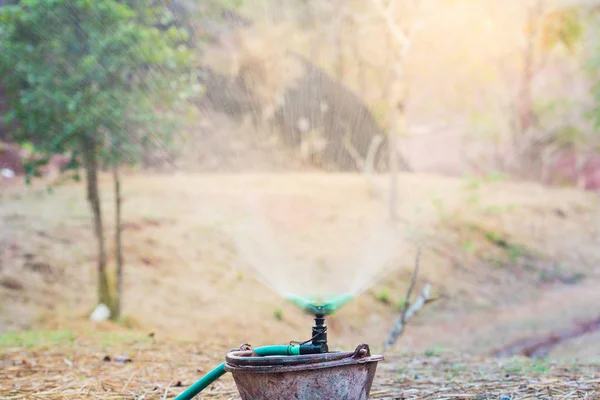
<point x="318" y="342"/>
<point x="323" y="308"/>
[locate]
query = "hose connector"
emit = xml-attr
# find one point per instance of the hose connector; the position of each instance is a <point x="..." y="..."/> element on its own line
<point x="317" y="344"/>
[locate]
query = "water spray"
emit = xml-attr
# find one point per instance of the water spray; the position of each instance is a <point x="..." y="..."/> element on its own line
<point x="300" y="370"/>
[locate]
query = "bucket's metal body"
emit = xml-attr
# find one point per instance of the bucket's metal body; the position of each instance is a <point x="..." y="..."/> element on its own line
<point x="336" y="376"/>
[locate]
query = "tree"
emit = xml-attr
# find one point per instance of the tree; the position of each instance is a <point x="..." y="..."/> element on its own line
<point x="401" y="38"/>
<point x="547" y="27"/>
<point x="595" y="70"/>
<point x="85" y="77"/>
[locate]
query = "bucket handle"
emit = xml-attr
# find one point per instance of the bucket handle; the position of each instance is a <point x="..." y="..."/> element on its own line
<point x="362" y="351"/>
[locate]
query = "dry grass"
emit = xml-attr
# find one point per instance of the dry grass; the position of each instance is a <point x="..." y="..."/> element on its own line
<point x="75" y="368"/>
<point x="78" y="367"/>
<point x="458" y="378"/>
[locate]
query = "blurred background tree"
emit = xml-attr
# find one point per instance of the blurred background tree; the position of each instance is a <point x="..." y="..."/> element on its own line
<point x="595" y="71"/>
<point x="86" y="78"/>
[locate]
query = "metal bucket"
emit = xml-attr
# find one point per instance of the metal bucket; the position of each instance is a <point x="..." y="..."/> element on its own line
<point x="335" y="376"/>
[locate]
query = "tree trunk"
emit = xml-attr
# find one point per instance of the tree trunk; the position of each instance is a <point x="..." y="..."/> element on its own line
<point x="393" y="161"/>
<point x="360" y="64"/>
<point x="397" y="125"/>
<point x="389" y="91"/>
<point x="526" y="116"/>
<point x="525" y="100"/>
<point x="337" y="46"/>
<point x="90" y="163"/>
<point x="118" y="246"/>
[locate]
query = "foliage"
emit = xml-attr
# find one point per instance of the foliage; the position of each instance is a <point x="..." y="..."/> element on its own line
<point x="89" y="69"/>
<point x="278" y="314"/>
<point x="595" y="73"/>
<point x="562" y="26"/>
<point x="383" y="296"/>
<point x="93" y="78"/>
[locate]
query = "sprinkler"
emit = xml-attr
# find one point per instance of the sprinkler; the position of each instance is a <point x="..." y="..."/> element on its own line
<point x="318" y="341"/>
<point x="301" y="370"/>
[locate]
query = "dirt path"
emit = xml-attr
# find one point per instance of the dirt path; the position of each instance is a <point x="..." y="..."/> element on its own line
<point x="482" y="332"/>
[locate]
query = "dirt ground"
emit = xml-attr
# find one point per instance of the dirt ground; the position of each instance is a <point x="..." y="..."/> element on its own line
<point x="506" y="260"/>
<point x="117" y="365"/>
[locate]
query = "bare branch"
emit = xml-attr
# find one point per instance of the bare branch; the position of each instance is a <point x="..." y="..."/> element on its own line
<point x="370" y="160"/>
<point x="399" y="35"/>
<point x="411" y="286"/>
<point x="409" y="310"/>
<point x="366" y="165"/>
<point x="360" y="163"/>
<point x="424" y="298"/>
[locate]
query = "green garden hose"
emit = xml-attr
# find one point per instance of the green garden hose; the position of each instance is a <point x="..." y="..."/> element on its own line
<point x="217" y="372"/>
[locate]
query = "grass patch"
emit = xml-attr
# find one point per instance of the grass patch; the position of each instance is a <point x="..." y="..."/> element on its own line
<point x="383" y="296"/>
<point x="528" y="366"/>
<point x="434" y="351"/>
<point x="278" y="314"/>
<point x="29" y="339"/>
<point x="468" y="246"/>
<point x="401" y="303"/>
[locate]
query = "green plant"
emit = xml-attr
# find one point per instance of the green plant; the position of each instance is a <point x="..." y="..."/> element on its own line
<point x="434" y="351"/>
<point x="401" y="304"/>
<point x="475" y="182"/>
<point x="523" y="365"/>
<point x="383" y="296"/>
<point x="495" y="177"/>
<point x="495" y="238"/>
<point x="29" y="339"/>
<point x="594" y="69"/>
<point x="239" y="275"/>
<point x="278" y="314"/>
<point x="516" y="251"/>
<point x="468" y="246"/>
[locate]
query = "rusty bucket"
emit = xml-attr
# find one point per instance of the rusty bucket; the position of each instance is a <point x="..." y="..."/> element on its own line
<point x="335" y="375"/>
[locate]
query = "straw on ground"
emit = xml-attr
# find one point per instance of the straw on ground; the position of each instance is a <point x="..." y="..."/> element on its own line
<point x="90" y="367"/>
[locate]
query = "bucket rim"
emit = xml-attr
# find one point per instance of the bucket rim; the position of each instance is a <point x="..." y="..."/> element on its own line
<point x="246" y="361"/>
